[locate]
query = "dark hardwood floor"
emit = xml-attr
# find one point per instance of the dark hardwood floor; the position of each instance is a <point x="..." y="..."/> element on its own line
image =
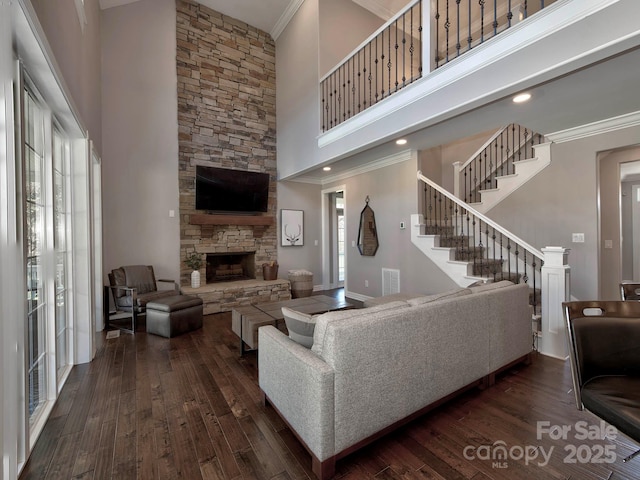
<point x="149" y="407"/>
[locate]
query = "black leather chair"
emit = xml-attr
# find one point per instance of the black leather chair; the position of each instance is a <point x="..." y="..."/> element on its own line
<point x="132" y="287"/>
<point x="604" y="349"/>
<point x="630" y="291"/>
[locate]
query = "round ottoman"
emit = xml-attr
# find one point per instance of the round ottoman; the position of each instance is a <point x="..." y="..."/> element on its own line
<point x="301" y="283"/>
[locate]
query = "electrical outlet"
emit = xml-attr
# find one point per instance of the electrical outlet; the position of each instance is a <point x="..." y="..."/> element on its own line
<point x="366" y="283"/>
<point x="402" y="226"/>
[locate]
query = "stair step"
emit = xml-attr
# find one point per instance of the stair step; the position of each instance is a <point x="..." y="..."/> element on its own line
<point x="469" y="253"/>
<point x="438" y="230"/>
<point x="487" y="268"/>
<point x="456" y="241"/>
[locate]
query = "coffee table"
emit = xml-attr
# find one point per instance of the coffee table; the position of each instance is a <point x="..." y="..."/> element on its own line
<point x="246" y="320"/>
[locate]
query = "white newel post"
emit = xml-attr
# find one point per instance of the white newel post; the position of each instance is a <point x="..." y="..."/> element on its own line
<point x="556" y="288"/>
<point x="456" y="179"/>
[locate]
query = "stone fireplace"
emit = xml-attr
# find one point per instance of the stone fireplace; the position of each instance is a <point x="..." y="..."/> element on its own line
<point x="226" y="119"/>
<point x="229" y="267"/>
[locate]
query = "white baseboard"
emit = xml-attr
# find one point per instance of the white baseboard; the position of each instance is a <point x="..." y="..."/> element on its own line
<point x="357" y="296"/>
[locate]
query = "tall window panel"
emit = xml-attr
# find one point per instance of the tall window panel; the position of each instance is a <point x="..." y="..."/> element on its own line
<point x="35" y="204"/>
<point x="61" y="225"/>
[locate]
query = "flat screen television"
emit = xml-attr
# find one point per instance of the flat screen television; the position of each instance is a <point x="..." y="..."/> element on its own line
<point x="224" y="190"/>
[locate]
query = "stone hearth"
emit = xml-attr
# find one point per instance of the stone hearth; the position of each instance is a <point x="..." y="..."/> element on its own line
<point x="224" y="296"/>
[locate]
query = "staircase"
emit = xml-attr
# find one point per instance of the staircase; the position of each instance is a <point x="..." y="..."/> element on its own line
<point x="469" y="247"/>
<point x="505" y="162"/>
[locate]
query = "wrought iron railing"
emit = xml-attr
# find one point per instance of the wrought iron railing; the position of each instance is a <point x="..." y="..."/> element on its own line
<point x="494" y="252"/>
<point x="390" y="60"/>
<point x="461" y="25"/>
<point x="392" y="57"/>
<point x="496" y="158"/>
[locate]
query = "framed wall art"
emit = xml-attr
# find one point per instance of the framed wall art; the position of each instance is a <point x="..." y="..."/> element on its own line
<point x="291" y="228"/>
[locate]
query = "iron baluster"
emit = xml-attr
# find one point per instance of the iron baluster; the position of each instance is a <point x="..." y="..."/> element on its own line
<point x="469" y="37"/>
<point x="447" y="24"/>
<point x="458" y="28"/>
<point x="495" y="17"/>
<point x="437" y="34"/>
<point x="481" y="3"/>
<point x="397" y="46"/>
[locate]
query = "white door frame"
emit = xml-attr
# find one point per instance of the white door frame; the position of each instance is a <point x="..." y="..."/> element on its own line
<point x="327" y="279"/>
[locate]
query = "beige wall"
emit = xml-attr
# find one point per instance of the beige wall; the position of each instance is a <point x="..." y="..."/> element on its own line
<point x="563" y="199"/>
<point x="305" y="197"/>
<point x="343" y="26"/>
<point x="77" y="54"/>
<point x="392" y="192"/>
<point x="140" y="137"/>
<point x="297" y="93"/>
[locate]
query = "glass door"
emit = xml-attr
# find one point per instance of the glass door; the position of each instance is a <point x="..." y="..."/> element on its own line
<point x="35" y="194"/>
<point x="61" y="222"/>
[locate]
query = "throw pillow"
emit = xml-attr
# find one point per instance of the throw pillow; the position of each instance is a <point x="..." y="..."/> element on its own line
<point x="300" y="326"/>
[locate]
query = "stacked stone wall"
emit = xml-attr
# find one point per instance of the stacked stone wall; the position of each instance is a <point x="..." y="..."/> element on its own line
<point x="226" y="118"/>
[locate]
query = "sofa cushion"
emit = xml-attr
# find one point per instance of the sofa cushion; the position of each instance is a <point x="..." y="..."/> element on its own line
<point x="439" y="296"/>
<point x="300" y="326"/>
<point x="326" y="318"/>
<point x="491" y="286"/>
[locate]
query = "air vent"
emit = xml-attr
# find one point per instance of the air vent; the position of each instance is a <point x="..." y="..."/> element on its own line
<point x="390" y="281"/>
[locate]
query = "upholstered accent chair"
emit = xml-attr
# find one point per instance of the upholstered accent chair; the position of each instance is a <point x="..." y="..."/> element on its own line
<point x="132" y="287"/>
<point x="604" y="349"/>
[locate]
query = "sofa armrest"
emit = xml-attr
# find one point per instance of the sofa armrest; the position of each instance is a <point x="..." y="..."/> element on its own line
<point x="166" y="280"/>
<point x="300" y="385"/>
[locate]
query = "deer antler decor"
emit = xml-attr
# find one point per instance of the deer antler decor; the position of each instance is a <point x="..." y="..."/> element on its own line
<point x="292" y="228"/>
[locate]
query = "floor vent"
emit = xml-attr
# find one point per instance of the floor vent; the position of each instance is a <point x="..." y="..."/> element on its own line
<point x="390" y="281"/>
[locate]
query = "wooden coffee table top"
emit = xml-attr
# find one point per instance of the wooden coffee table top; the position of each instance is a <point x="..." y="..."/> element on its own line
<point x="311" y="305"/>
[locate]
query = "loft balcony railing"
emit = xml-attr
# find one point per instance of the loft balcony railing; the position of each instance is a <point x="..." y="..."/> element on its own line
<point x="461" y="25"/>
<point x="385" y="63"/>
<point x="392" y="58"/>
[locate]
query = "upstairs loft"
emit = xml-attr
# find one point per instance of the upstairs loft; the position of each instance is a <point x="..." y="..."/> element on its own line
<point x="577" y="68"/>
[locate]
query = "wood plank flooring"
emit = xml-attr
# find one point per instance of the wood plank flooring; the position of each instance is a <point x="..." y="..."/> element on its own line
<point x="189" y="407"/>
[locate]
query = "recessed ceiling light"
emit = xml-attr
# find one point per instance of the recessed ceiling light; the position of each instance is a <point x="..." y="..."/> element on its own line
<point x="521" y="98"/>
<point x="401" y="141"/>
<point x="326" y="169"/>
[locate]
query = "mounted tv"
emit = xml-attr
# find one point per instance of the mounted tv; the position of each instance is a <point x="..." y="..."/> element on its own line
<point x="224" y="190"/>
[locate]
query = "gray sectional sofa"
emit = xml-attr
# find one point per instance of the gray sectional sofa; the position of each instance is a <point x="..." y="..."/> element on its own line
<point x="373" y="369"/>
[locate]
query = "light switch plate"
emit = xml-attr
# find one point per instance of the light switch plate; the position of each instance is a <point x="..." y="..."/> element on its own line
<point x="608" y="244"/>
<point x="577" y="237"/>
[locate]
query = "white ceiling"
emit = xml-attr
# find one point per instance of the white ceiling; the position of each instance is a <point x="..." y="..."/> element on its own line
<point x="273" y="15"/>
<point x="267" y="15"/>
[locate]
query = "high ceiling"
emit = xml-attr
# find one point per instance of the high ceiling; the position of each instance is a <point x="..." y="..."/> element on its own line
<point x="273" y="15"/>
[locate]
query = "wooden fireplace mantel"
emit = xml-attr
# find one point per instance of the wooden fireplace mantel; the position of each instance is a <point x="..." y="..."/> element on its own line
<point x="204" y="219"/>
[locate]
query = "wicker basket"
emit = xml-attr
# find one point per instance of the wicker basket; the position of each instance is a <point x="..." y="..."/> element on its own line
<point x="301" y="283"/>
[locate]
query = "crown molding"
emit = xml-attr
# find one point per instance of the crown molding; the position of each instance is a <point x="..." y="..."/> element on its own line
<point x="285" y="18"/>
<point x="596" y="128"/>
